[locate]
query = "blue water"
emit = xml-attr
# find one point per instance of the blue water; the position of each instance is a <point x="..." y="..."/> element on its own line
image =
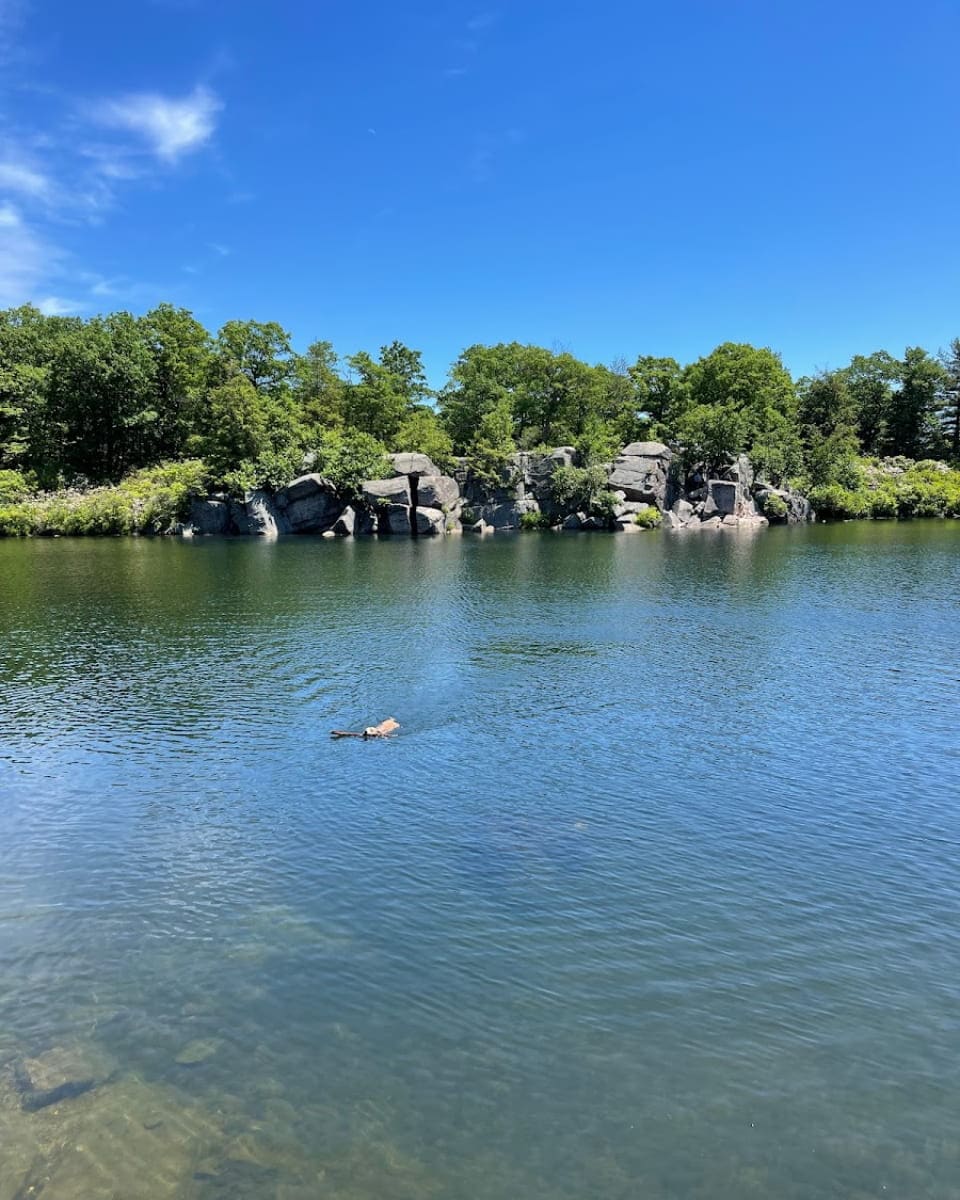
<point x="657" y="894"/>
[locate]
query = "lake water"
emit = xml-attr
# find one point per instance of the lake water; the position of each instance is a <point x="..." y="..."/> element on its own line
<point x="656" y="896"/>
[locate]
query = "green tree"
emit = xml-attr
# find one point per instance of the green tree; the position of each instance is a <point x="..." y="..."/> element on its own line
<point x="101" y="397"/>
<point x="376" y="402"/>
<point x="236" y="425"/>
<point x="950" y="401"/>
<point x="913" y="427"/>
<point x="661" y="390"/>
<point x="759" y="407"/>
<point x="870" y="379"/>
<point x="182" y="354"/>
<point x="319" y="388"/>
<point x="421" y="430"/>
<point x="258" y="350"/>
<point x="828" y="423"/>
<point x="712" y="434"/>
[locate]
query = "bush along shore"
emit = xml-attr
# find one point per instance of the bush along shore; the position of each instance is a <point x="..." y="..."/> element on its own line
<point x="646" y="487"/>
<point x="151" y="424"/>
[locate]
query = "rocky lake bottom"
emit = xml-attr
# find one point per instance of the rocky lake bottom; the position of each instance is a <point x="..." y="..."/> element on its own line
<point x="656" y="893"/>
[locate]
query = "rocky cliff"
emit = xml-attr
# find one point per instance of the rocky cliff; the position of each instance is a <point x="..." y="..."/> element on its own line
<point x="644" y="486"/>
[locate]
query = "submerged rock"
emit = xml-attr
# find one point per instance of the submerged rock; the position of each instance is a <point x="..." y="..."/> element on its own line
<point x="57" y="1075"/>
<point x="198" y="1051"/>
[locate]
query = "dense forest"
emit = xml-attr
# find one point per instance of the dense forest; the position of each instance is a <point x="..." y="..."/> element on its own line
<point x="86" y="402"/>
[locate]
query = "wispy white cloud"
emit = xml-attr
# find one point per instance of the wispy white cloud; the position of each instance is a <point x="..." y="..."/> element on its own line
<point x="16" y="176"/>
<point x="217" y="248"/>
<point x="60" y="306"/>
<point x="26" y="259"/>
<point x="171" y="127"/>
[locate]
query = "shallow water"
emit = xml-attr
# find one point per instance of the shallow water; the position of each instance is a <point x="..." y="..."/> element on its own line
<point x="657" y="895"/>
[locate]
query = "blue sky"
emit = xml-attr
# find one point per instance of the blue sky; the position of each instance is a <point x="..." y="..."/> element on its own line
<point x="614" y="178"/>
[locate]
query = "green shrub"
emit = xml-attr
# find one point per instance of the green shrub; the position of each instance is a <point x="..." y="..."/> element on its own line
<point x="16" y="520"/>
<point x="648" y="517"/>
<point x="775" y="508"/>
<point x="468" y="515"/>
<point x="583" y="489"/>
<point x="13" y="487"/>
<point x="148" y="501"/>
<point x="421" y="431"/>
<point x="534" y="520"/>
<point x="347" y="458"/>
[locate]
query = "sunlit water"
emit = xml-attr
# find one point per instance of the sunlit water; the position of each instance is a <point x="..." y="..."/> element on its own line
<point x="657" y="895"/>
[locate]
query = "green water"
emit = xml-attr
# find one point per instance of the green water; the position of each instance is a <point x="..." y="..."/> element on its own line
<point x="656" y="895"/>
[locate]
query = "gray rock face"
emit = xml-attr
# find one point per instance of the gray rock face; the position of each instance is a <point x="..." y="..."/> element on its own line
<point x="573" y="522"/>
<point x="799" y="510"/>
<point x="209" y="517"/>
<point x="742" y="472"/>
<point x="647" y="450"/>
<point x="346" y="523"/>
<point x="309" y="505"/>
<point x="395" y="518"/>
<point x="726" y="497"/>
<point x="711" y="523"/>
<point x="643" y="476"/>
<point x="682" y="511"/>
<point x="437" y="491"/>
<point x="507" y="515"/>
<point x="430" y="521"/>
<point x="413" y="464"/>
<point x="263" y="517"/>
<point x="388" y="491"/>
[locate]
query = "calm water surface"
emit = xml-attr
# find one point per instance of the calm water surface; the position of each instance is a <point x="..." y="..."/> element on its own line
<point x="657" y="896"/>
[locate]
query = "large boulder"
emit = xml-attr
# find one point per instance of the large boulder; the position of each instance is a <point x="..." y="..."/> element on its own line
<point x="642" y="473"/>
<point x="411" y="463"/>
<point x="387" y="491"/>
<point x="430" y="521"/>
<point x="724" y="498"/>
<point x="354" y="521"/>
<point x="437" y="491"/>
<point x="209" y="517"/>
<point x="647" y="450"/>
<point x="798" y="508"/>
<point x="682" y="510"/>
<point x="535" y="473"/>
<point x="508" y="514"/>
<point x="309" y="504"/>
<point x="263" y="516"/>
<point x="395" y="518"/>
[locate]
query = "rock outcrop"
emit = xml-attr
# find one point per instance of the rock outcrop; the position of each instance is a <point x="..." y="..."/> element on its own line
<point x="798" y="509"/>
<point x="378" y="492"/>
<point x="642" y="473"/>
<point x="309" y="505"/>
<point x="416" y="499"/>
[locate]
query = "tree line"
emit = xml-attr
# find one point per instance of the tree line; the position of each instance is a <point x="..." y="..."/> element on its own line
<point x="87" y="401"/>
